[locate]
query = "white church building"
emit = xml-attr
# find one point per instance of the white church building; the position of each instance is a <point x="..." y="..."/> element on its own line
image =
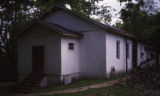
<point x="63" y="46"/>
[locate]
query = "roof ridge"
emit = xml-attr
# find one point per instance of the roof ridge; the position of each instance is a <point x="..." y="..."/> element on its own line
<point x="105" y="26"/>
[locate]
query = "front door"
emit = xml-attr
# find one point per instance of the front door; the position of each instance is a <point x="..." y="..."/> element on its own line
<point x="38" y="59"/>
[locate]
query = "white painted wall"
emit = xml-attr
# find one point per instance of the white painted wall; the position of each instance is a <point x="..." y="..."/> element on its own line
<point x="92" y="54"/>
<point x="37" y="35"/>
<point x="69" y="58"/>
<point x="92" y="45"/>
<point x="111" y="59"/>
<point x="153" y="52"/>
<point x="141" y="48"/>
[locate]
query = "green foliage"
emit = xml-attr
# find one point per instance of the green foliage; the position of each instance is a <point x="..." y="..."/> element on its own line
<point x="141" y="19"/>
<point x="114" y="90"/>
<point x="103" y="14"/>
<point x="80" y="6"/>
<point x="84" y="7"/>
<point x="75" y="84"/>
<point x="80" y="83"/>
<point x="118" y="24"/>
<point x="14" y="14"/>
<point x="5" y="87"/>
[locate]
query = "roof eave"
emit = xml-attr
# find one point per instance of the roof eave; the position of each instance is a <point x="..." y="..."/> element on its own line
<point x="74" y="35"/>
<point x="95" y="22"/>
<point x="37" y="21"/>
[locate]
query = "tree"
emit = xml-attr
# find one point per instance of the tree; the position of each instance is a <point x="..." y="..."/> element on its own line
<point x="133" y="17"/>
<point x="103" y="14"/>
<point x="13" y="15"/>
<point x="141" y="19"/>
<point x="118" y="24"/>
<point x="84" y="7"/>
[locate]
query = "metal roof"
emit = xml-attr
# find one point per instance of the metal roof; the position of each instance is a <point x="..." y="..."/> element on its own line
<point x="104" y="26"/>
<point x="54" y="27"/>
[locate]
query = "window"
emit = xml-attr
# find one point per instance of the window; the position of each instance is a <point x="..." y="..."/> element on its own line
<point x="118" y="49"/>
<point x="127" y="50"/>
<point x="71" y="46"/>
<point x="141" y="52"/>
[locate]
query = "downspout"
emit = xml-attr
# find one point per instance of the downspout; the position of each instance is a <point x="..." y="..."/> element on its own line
<point x="126" y="57"/>
<point x="134" y="53"/>
<point x="157" y="57"/>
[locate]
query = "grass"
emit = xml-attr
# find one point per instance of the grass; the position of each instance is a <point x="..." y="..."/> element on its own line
<point x="77" y="84"/>
<point x="114" y="90"/>
<point x="5" y="87"/>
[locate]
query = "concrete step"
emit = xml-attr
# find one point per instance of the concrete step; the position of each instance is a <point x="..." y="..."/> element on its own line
<point x="28" y="84"/>
<point x="21" y="91"/>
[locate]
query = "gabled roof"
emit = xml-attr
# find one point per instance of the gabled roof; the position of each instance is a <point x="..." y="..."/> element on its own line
<point x="55" y="28"/>
<point x="104" y="26"/>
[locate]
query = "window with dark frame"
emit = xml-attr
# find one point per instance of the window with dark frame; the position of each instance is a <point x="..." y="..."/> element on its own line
<point x="71" y="46"/>
<point x="127" y="50"/>
<point x="141" y="52"/>
<point x="118" y="49"/>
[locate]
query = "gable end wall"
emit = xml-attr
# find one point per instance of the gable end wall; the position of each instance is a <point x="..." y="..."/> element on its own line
<point x="40" y="36"/>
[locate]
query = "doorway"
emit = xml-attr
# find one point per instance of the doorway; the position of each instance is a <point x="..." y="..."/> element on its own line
<point x="38" y="59"/>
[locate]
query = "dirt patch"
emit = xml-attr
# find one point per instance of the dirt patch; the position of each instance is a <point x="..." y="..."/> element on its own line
<point x="105" y="84"/>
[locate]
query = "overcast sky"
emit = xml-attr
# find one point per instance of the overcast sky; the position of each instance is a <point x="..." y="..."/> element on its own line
<point x="116" y="5"/>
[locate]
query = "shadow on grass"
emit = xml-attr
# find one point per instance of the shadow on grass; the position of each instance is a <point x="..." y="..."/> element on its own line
<point x="114" y="90"/>
<point x="79" y="83"/>
<point x="5" y="87"/>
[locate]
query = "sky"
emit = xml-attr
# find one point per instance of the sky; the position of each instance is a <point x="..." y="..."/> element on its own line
<point x="116" y="5"/>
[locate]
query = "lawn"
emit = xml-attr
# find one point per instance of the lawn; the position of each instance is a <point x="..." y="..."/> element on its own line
<point x="78" y="83"/>
<point x="75" y="84"/>
<point x="115" y="90"/>
<point x="5" y="87"/>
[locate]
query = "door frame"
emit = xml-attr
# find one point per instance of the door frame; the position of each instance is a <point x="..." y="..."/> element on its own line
<point x="41" y="66"/>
